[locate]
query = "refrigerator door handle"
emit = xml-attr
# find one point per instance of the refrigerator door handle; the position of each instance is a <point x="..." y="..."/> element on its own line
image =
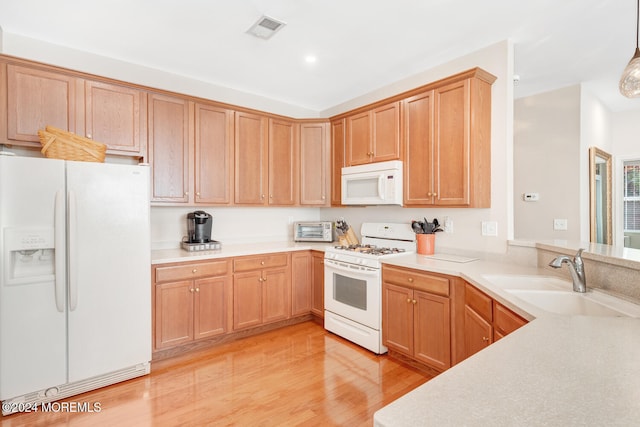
<point x="73" y="269"/>
<point x="59" y="237"/>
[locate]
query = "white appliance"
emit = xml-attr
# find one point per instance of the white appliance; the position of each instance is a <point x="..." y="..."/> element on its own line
<point x="353" y="282"/>
<point x="372" y="184"/>
<point x="313" y="231"/>
<point x="75" y="285"/>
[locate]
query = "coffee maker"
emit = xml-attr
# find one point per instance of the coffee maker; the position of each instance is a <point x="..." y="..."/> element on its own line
<point x="199" y="227"/>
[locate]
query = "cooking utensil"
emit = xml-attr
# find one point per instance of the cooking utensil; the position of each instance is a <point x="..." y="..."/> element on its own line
<point x="416" y="226"/>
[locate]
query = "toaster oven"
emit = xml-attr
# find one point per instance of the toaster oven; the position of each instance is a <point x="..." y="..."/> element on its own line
<point x="313" y="231"/>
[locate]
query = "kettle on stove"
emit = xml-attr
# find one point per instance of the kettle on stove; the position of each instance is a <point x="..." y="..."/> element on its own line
<point x="199" y="227"/>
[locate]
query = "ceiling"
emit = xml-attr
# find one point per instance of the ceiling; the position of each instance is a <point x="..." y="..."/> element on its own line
<point x="360" y="45"/>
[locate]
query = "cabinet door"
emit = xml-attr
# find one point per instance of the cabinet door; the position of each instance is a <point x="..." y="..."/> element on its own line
<point x="338" y="134"/>
<point x="397" y="318"/>
<point x="210" y="314"/>
<point x="313" y="164"/>
<point x="116" y="116"/>
<point x="174" y="313"/>
<point x="250" y="158"/>
<point x="283" y="162"/>
<point x="386" y="132"/>
<point x="169" y="148"/>
<point x="432" y="330"/>
<point x="505" y="321"/>
<point x="300" y="283"/>
<point x="358" y="146"/>
<point x="477" y="332"/>
<point x="247" y="299"/>
<point x="37" y="98"/>
<point x="213" y="154"/>
<point x="418" y="148"/>
<point x="276" y="296"/>
<point x="317" y="295"/>
<point x="452" y="149"/>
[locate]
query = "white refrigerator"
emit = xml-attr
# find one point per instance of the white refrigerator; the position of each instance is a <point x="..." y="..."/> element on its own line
<point x="75" y="286"/>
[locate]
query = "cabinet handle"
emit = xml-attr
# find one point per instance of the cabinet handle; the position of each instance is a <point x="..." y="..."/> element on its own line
<point x="186" y="194"/>
<point x="414" y="301"/>
<point x="264" y="279"/>
<point x="435" y="194"/>
<point x="410" y="279"/>
<point x="198" y="194"/>
<point x="323" y="197"/>
<point x="485" y="339"/>
<point x="261" y="262"/>
<point x="194" y="270"/>
<point x="89" y="135"/>
<point x="262" y="196"/>
<point x="409" y="300"/>
<point x="271" y="196"/>
<point x="197" y="289"/>
<point x="429" y="194"/>
<point x="191" y="290"/>
<point x="260" y="279"/>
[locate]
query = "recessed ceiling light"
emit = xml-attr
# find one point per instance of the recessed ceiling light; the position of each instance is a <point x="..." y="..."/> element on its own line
<point x="265" y="27"/>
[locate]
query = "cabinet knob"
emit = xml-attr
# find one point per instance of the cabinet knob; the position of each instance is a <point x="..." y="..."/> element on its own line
<point x="191" y="290"/>
<point x="194" y="271"/>
<point x="89" y="136"/>
<point x="264" y="279"/>
<point x="414" y="302"/>
<point x="435" y="194"/>
<point x="429" y="194"/>
<point x="370" y="154"/>
<point x="410" y="279"/>
<point x="262" y="196"/>
<point x="485" y="339"/>
<point x="260" y="279"/>
<point x="323" y="197"/>
<point x="198" y="194"/>
<point x="409" y="300"/>
<point x="261" y="262"/>
<point x="186" y="193"/>
<point x="197" y="289"/>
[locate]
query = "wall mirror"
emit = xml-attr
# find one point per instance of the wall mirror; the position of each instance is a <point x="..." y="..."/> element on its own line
<point x="600" y="196"/>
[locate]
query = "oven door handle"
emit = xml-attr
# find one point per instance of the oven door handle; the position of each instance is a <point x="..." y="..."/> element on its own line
<point x="339" y="266"/>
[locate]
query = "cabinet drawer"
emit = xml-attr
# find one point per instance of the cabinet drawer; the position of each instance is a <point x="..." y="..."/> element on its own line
<point x="506" y="321"/>
<point x="478" y="301"/>
<point x="191" y="271"/>
<point x="416" y="280"/>
<point x="259" y="262"/>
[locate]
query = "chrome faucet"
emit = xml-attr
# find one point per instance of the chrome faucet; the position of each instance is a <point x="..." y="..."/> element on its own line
<point x="576" y="268"/>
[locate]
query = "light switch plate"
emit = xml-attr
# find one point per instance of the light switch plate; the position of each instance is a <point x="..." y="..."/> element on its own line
<point x="489" y="228"/>
<point x="560" y="224"/>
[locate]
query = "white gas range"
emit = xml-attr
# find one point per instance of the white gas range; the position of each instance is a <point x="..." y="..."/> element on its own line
<point x="353" y="282"/>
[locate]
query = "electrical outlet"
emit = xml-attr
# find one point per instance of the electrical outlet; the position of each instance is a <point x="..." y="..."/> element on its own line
<point x="448" y="224"/>
<point x="489" y="228"/>
<point x="560" y="224"/>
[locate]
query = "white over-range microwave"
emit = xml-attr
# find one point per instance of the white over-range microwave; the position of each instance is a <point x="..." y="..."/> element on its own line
<point x="372" y="184"/>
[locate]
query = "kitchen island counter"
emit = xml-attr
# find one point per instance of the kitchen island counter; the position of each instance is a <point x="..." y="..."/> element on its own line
<point x="556" y="370"/>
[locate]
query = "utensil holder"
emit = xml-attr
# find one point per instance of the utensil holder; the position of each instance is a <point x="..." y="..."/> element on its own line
<point x="425" y="243"/>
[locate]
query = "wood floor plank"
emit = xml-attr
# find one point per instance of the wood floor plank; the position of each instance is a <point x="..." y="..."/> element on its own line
<point x="300" y="375"/>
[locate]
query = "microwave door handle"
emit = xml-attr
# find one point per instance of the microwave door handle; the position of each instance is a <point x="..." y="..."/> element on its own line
<point x="381" y="186"/>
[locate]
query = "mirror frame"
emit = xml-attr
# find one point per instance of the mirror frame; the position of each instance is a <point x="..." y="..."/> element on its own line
<point x="595" y="152"/>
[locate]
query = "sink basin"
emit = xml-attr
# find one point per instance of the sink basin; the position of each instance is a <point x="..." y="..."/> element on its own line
<point x="538" y="283"/>
<point x="573" y="303"/>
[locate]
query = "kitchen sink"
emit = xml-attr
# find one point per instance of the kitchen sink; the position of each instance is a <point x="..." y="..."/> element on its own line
<point x="538" y="283"/>
<point x="555" y="295"/>
<point x="590" y="303"/>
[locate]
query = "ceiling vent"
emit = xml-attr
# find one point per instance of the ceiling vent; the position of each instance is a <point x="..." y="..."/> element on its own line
<point x="265" y="27"/>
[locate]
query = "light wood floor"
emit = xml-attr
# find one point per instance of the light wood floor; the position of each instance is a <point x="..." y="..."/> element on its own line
<point x="298" y="375"/>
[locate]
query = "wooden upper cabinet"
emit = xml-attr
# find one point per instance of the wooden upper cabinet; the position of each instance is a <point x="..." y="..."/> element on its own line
<point x="169" y="139"/>
<point x="338" y="159"/>
<point x="37" y="98"/>
<point x="116" y="116"/>
<point x="251" y="153"/>
<point x="314" y="164"/>
<point x="214" y="152"/>
<point x="447" y="144"/>
<point x="374" y="135"/>
<point x="283" y="162"/>
<point x="418" y="148"/>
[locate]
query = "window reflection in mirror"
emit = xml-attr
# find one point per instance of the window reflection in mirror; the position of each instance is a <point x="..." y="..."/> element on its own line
<point x="600" y="196"/>
<point x="631" y="203"/>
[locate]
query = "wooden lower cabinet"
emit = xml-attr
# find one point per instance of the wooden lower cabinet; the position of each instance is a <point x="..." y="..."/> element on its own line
<point x="301" y="283"/>
<point x="317" y="283"/>
<point x="190" y="302"/>
<point x="417" y="315"/>
<point x="485" y="320"/>
<point x="261" y="290"/>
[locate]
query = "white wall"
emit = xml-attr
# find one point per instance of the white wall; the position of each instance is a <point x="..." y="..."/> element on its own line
<point x="546" y="153"/>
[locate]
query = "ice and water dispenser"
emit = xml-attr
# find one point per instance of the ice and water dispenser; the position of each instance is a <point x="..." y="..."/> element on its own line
<point x="30" y="255"/>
